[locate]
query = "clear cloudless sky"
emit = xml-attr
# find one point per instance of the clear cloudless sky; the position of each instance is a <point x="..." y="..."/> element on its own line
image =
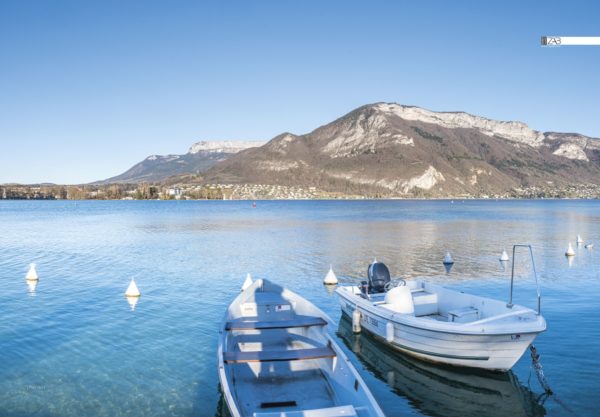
<point x="88" y="88"/>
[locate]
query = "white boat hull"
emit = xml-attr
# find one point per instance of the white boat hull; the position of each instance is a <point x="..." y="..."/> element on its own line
<point x="459" y="344"/>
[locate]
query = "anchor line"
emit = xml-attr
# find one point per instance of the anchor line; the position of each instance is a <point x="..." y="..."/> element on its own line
<point x="537" y="367"/>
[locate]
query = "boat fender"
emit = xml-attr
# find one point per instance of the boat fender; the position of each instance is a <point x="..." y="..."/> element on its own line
<point x="389" y="332"/>
<point x="356" y="321"/>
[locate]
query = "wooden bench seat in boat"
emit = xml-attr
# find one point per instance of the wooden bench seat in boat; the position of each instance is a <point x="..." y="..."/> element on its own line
<point x="298" y="321"/>
<point x="341" y="411"/>
<point x="278" y="355"/>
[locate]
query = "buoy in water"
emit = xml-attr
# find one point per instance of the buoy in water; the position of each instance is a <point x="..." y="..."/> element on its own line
<point x="570" y="251"/>
<point x="448" y="259"/>
<point x="330" y="278"/>
<point x="579" y="240"/>
<point x="132" y="290"/>
<point x="356" y="321"/>
<point x="504" y="256"/>
<point x="589" y="246"/>
<point x="254" y="204"/>
<point x="32" y="273"/>
<point x="247" y="282"/>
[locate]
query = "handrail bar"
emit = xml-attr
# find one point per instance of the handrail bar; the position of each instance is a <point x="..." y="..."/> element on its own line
<point x="512" y="277"/>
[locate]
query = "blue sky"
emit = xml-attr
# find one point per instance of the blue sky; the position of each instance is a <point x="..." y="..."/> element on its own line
<point x="88" y="88"/>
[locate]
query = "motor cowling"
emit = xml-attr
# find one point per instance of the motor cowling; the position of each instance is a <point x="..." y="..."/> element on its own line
<point x="378" y="275"/>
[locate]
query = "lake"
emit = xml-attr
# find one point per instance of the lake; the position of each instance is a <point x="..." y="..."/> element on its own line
<point x="73" y="346"/>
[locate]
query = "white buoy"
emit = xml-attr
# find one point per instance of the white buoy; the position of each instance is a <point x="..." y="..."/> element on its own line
<point x="570" y="251"/>
<point x="589" y="246"/>
<point x="504" y="256"/>
<point x="579" y="240"/>
<point x="132" y="290"/>
<point x="448" y="259"/>
<point x="32" y="273"/>
<point x="330" y="278"/>
<point x="356" y="321"/>
<point x="247" y="282"/>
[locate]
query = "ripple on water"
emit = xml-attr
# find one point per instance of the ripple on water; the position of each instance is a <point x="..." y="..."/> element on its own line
<point x="76" y="347"/>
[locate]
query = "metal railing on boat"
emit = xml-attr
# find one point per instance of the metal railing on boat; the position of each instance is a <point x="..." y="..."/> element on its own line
<point x="512" y="278"/>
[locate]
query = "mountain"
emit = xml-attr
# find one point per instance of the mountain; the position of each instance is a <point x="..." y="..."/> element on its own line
<point x="200" y="157"/>
<point x="389" y="149"/>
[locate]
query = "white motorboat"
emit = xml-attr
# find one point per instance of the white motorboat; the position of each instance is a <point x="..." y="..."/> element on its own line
<point x="443" y="325"/>
<point x="278" y="359"/>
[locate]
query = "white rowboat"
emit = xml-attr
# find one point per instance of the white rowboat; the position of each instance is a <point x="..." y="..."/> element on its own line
<point x="443" y="325"/>
<point x="277" y="359"/>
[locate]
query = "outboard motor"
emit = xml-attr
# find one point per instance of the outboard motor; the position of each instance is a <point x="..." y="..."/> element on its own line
<point x="379" y="275"/>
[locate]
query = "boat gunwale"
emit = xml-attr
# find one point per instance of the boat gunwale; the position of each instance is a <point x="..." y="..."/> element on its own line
<point x="401" y="319"/>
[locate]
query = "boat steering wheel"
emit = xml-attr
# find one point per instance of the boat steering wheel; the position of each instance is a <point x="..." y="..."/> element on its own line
<point x="393" y="284"/>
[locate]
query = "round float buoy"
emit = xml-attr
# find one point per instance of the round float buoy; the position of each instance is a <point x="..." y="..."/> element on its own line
<point x="570" y="251"/>
<point x="330" y="278"/>
<point x="504" y="256"/>
<point x="247" y="282"/>
<point x="32" y="273"/>
<point x="589" y="246"/>
<point x="356" y="321"/>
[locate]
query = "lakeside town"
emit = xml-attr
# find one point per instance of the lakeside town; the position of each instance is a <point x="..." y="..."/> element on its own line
<point x="258" y="192"/>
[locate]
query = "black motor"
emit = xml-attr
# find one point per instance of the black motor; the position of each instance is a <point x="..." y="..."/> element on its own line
<point x="379" y="275"/>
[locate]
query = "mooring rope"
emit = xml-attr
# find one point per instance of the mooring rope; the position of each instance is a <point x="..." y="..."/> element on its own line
<point x="537" y="367"/>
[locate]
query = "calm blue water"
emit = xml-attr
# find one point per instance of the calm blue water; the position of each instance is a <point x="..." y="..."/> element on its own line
<point x="74" y="347"/>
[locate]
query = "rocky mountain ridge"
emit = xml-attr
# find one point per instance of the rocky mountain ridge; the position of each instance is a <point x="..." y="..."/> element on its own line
<point x="200" y="157"/>
<point x="388" y="149"/>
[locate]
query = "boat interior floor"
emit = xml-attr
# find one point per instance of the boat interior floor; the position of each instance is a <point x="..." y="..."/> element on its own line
<point x="276" y="388"/>
<point x="437" y="317"/>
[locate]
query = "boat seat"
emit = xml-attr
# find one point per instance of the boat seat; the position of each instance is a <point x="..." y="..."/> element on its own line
<point x="278" y="355"/>
<point x="463" y="315"/>
<point x="341" y="411"/>
<point x="298" y="321"/>
<point x="425" y="303"/>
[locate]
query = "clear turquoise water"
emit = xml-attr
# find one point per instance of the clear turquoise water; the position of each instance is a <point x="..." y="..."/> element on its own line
<point x="75" y="347"/>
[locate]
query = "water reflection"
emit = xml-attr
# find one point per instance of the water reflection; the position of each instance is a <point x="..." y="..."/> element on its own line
<point x="330" y="288"/>
<point x="222" y="409"/>
<point x="31" y="286"/>
<point x="442" y="391"/>
<point x="132" y="302"/>
<point x="448" y="268"/>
